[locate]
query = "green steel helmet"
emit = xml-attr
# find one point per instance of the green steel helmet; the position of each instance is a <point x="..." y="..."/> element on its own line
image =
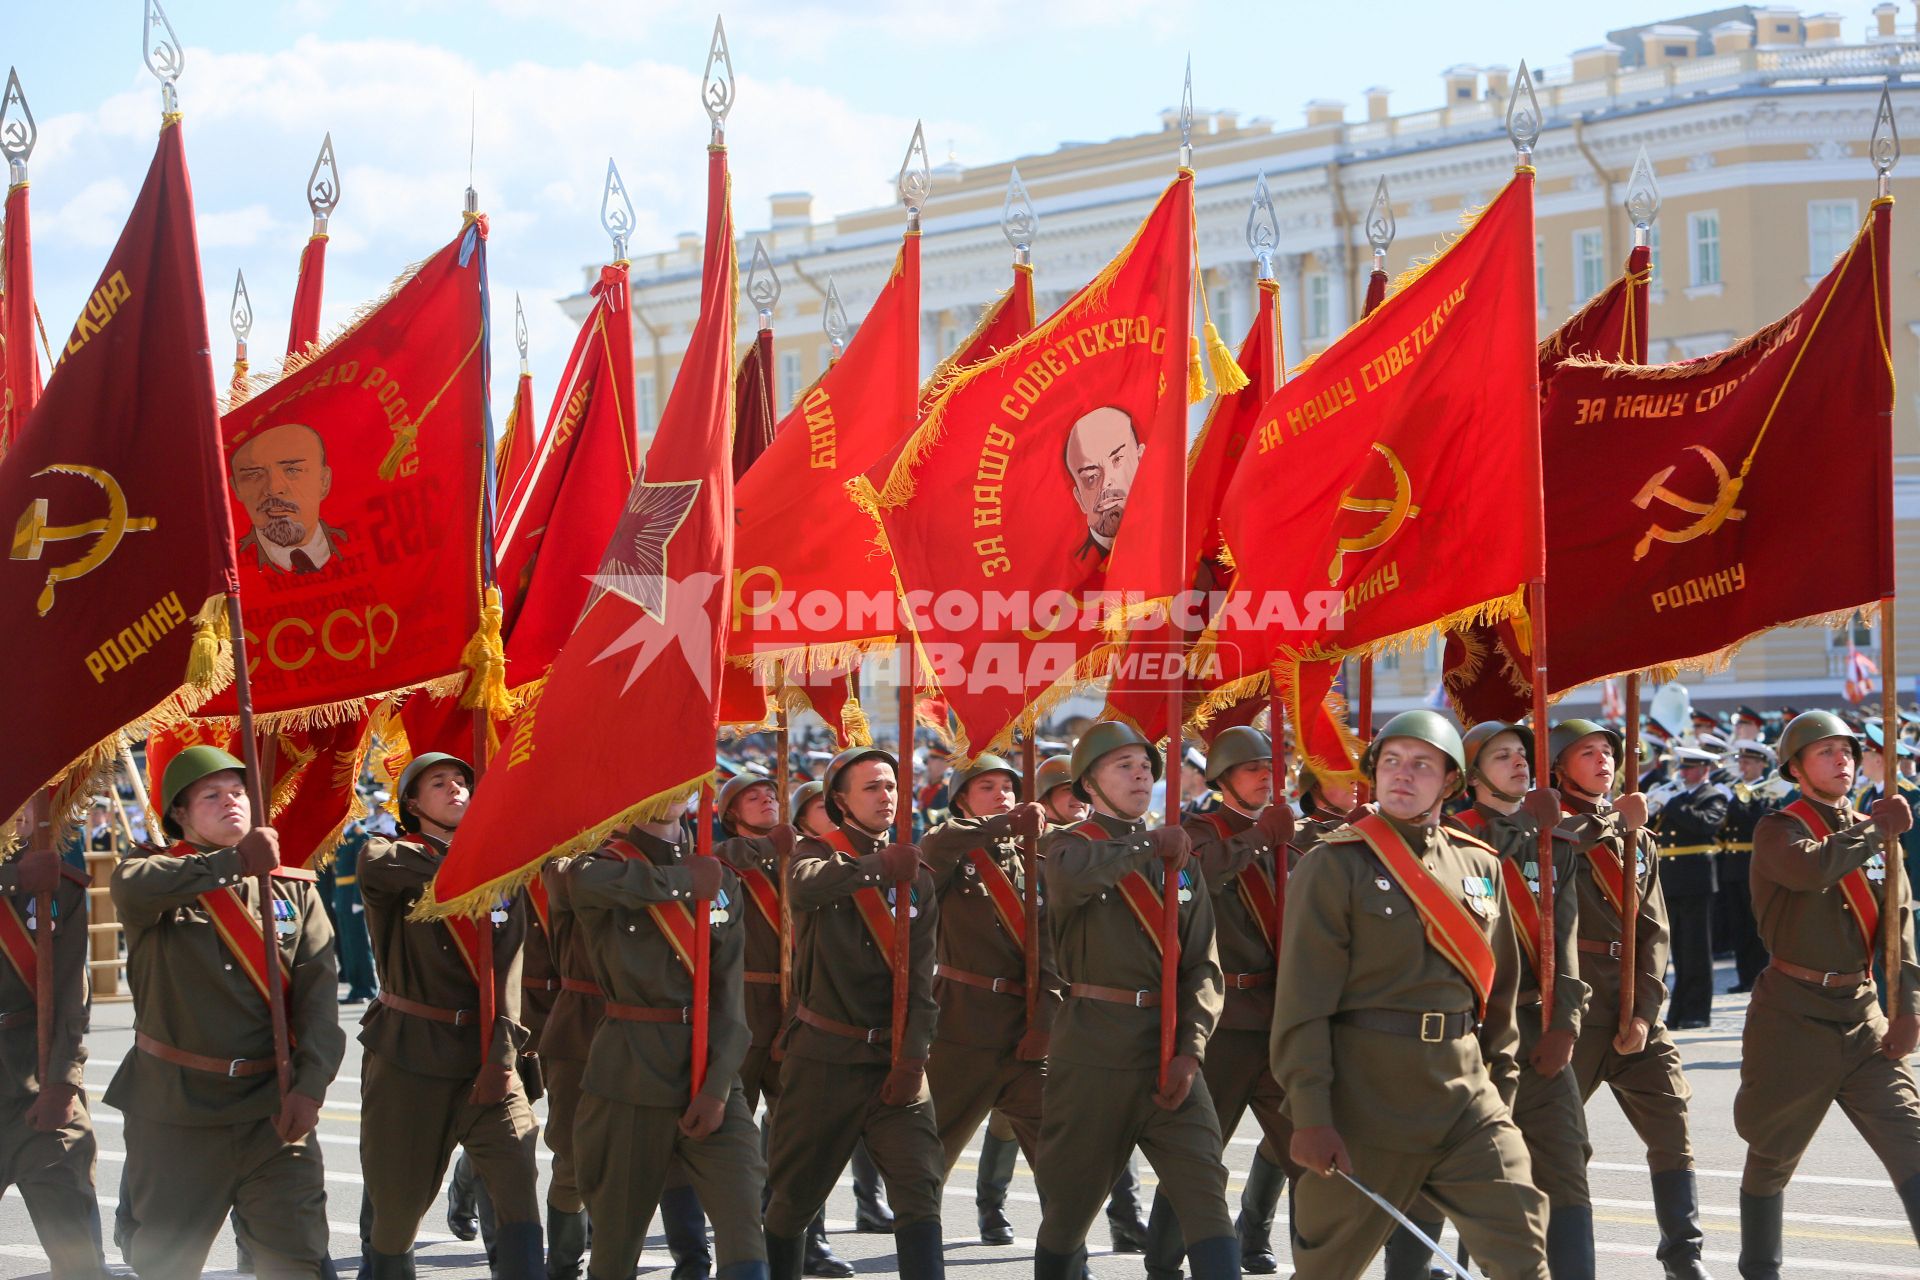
<point x="1054" y="771"/>
<point x="1570" y="731"/>
<point x="1104" y="739"/>
<point x="845" y="760"/>
<point x="734" y="788"/>
<point x="1486" y="731"/>
<point x="983" y="764"/>
<point x="1422" y="725"/>
<point x="183" y="771"/>
<point x="415" y="767"/>
<point x="806" y="795"/>
<point x="1242" y="744"/>
<point x="1801" y="732"/>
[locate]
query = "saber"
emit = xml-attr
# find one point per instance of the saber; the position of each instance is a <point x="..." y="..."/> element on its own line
<point x="1459" y="1271"/>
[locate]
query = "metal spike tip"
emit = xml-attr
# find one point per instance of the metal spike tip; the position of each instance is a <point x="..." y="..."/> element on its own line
<point x="1018" y="222"/>
<point x="763" y="283"/>
<point x="915" y="181"/>
<point x="1381" y="225"/>
<point x="1186" y="117"/>
<point x="1643" y="193"/>
<point x="833" y="318"/>
<point x="616" y="212"/>
<point x="18" y="132"/>
<point x="323" y="184"/>
<point x="716" y="85"/>
<point x="1523" y="113"/>
<point x="1885" y="147"/>
<point x="163" y="53"/>
<point x="520" y="326"/>
<point x="241" y="315"/>
<point x="1263" y="227"/>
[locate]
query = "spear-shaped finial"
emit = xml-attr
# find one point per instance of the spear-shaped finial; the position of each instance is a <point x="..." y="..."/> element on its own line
<point x="763" y="284"/>
<point x="1186" y="118"/>
<point x="1523" y="115"/>
<point x="1381" y="226"/>
<point x="240" y="317"/>
<point x="915" y="182"/>
<point x="1263" y="227"/>
<point x="520" y="329"/>
<point x="18" y="132"/>
<point x="1643" y="198"/>
<point x="833" y="318"/>
<point x="323" y="185"/>
<point x="1018" y="222"/>
<point x="1885" y="147"/>
<point x="616" y="218"/>
<point x="716" y="85"/>
<point x="164" y="55"/>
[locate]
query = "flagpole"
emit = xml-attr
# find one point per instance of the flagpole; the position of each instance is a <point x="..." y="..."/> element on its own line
<point x="1381" y="229"/>
<point x="18" y="136"/>
<point x="41" y="828"/>
<point x="1885" y="150"/>
<point x="1263" y="236"/>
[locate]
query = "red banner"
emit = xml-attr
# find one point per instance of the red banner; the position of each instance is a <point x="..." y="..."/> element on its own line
<point x="513" y="456"/>
<point x="743" y="694"/>
<point x="647" y="649"/>
<point x="1411" y="443"/>
<point x="357" y="479"/>
<point x="114" y="496"/>
<point x="1014" y="488"/>
<point x="1679" y="492"/>
<point x="304" y="330"/>
<point x="19" y="366"/>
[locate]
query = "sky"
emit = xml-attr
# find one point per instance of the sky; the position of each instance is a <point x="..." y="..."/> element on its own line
<point x="542" y="92"/>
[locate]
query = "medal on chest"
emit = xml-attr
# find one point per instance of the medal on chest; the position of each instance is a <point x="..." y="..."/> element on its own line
<point x="1531" y="871"/>
<point x="1186" y="887"/>
<point x="1876" y="869"/>
<point x="498" y="915"/>
<point x="285" y="920"/>
<point x="720" y="910"/>
<point x="33" y="915"/>
<point x="1479" y="896"/>
<point x="913" y="901"/>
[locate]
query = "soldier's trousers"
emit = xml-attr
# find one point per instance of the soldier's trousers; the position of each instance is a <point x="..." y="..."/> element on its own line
<point x="967" y="1081"/>
<point x="760" y="1077"/>
<point x="409" y="1126"/>
<point x="1690" y="917"/>
<point x="182" y="1179"/>
<point x="1792" y="1068"/>
<point x="563" y="1103"/>
<point x="54" y="1172"/>
<point x="1552" y="1118"/>
<point x="825" y="1107"/>
<point x="1650" y="1087"/>
<point x="1092" y="1119"/>
<point x="1480" y="1179"/>
<point x="625" y="1154"/>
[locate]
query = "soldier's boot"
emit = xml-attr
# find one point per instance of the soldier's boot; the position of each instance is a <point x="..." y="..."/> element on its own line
<point x="685" y="1225"/>
<point x="1910" y="1197"/>
<point x="1569" y="1243"/>
<point x="821" y="1260"/>
<point x="389" y="1266"/>
<point x="783" y="1256"/>
<point x="1048" y="1265"/>
<point x="566" y="1243"/>
<point x="1406" y="1257"/>
<point x="990" y="1188"/>
<point x="1676" y="1207"/>
<point x="483" y="1210"/>
<point x="463" y="1217"/>
<point x="1761" y="1220"/>
<point x="872" y="1214"/>
<point x="67" y="1223"/>
<point x="1216" y="1258"/>
<point x="518" y="1252"/>
<point x="917" y="1251"/>
<point x="1125" y="1227"/>
<point x="1165" y="1247"/>
<point x="1258" y="1201"/>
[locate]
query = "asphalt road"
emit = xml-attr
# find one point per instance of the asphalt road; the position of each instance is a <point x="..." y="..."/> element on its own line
<point x="1842" y="1215"/>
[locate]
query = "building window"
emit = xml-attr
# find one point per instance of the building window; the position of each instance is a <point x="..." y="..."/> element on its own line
<point x="1703" y="235"/>
<point x="1220" y="302"/>
<point x="643" y="389"/>
<point x="1653" y="255"/>
<point x="950" y="337"/>
<point x="1830" y="228"/>
<point x="1319" y="306"/>
<point x="1677" y="51"/>
<point x="790" y="376"/>
<point x="1589" y="263"/>
<point x="1540" y="272"/>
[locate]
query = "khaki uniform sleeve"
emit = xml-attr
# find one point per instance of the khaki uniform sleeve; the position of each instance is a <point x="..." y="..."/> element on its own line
<point x="147" y="887"/>
<point x="596" y="883"/>
<point x="727" y="1035"/>
<point x="68" y="1053"/>
<point x="1220" y="860"/>
<point x="391" y="869"/>
<point x="1203" y="987"/>
<point x="819" y="878"/>
<point x="1785" y="852"/>
<point x="923" y="1013"/>
<point x="313" y="1001"/>
<point x="1499" y="1033"/>
<point x="944" y="847"/>
<point x="1569" y="991"/>
<point x="1650" y="959"/>
<point x="1316" y="935"/>
<point x="1079" y="870"/>
<point x="510" y="943"/>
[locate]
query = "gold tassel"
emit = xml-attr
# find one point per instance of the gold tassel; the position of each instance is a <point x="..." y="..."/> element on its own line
<point x="211" y="653"/>
<point x="1196" y="375"/>
<point x="1228" y="377"/>
<point x="855" y="729"/>
<point x="486" y="661"/>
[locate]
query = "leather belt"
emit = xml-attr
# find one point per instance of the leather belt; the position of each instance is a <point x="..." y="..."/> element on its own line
<point x="581" y="987"/>
<point x="338" y="881"/>
<point x="18" y="1018"/>
<point x="540" y="984"/>
<point x="999" y="986"/>
<point x="1116" y="995"/>
<point x="762" y="979"/>
<point x="232" y="1068"/>
<point x="432" y="1013"/>
<point x="1609" y="949"/>
<point x="1685" y="850"/>
<point x="1432" y="1028"/>
<point x="1738" y="846"/>
<point x="866" y="1035"/>
<point x="1248" y="981"/>
<point x="642" y="1013"/>
<point x="1818" y="977"/>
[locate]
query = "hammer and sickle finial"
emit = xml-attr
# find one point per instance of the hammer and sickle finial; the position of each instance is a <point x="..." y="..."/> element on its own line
<point x="32" y="532"/>
<point x="1394" y="512"/>
<point x="1711" y="514"/>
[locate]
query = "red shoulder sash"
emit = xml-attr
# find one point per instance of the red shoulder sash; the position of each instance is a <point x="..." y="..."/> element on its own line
<point x="1450" y="929"/>
<point x="1854" y="886"/>
<point x="869" y="901"/>
<point x="1007" y="903"/>
<point x="1148" y="907"/>
<point x="674" y="919"/>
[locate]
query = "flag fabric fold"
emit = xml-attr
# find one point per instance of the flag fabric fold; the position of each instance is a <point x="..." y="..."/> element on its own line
<point x="515" y="453"/>
<point x="304" y="329"/>
<point x="19" y="366"/>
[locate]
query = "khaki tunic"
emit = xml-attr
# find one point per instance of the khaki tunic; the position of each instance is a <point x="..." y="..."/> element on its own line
<point x="567" y="1036"/>
<point x="760" y="1071"/>
<point x="199" y="1144"/>
<point x="1808" y="1046"/>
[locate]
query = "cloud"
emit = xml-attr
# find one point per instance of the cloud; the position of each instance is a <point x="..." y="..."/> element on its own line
<point x="91" y="219"/>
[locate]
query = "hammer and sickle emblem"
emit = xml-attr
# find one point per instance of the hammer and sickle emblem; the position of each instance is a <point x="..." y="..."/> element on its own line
<point x="32" y="532"/>
<point x="1394" y="512"/>
<point x="1712" y="514"/>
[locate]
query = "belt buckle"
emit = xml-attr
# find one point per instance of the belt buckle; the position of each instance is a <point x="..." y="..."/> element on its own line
<point x="1826" y="979"/>
<point x="876" y="1034"/>
<point x="1433" y="1028"/>
<point x="461" y="1017"/>
<point x="686" y="1013"/>
<point x="1613" y="951"/>
<point x="233" y="1068"/>
<point x="1140" y="999"/>
<point x="999" y="986"/>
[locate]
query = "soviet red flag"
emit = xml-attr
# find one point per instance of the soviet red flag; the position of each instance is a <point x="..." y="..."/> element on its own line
<point x="743" y="692"/>
<point x="514" y="455"/>
<point x="1678" y="492"/>
<point x="623" y="724"/>
<point x="304" y="330"/>
<point x="1004" y="514"/>
<point x="1393" y="486"/>
<point x="19" y="365"/>
<point x="122" y="550"/>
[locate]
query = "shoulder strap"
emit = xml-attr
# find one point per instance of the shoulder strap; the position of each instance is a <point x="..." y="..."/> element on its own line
<point x="1854" y="886"/>
<point x="1450" y="929"/>
<point x="17" y="943"/>
<point x="239" y="927"/>
<point x="1007" y="903"/>
<point x="869" y="901"/>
